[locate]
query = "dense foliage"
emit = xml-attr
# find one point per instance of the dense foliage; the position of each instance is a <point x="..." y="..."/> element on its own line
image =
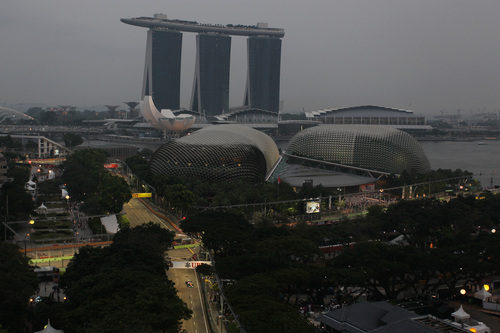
<point x="139" y="166"/>
<point x="278" y="269"/>
<point x="258" y="257"/>
<point x="17" y="284"/>
<point x="188" y="195"/>
<point x="71" y="140"/>
<point x="88" y="180"/>
<point x="123" y="287"/>
<point x="20" y="203"/>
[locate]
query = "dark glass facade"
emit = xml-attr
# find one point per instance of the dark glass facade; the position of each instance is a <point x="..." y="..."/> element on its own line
<point x="162" y="76"/>
<point x="263" y="82"/>
<point x="211" y="79"/>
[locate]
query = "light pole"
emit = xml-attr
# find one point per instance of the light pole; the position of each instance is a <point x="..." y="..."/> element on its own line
<point x="26" y="238"/>
<point x="67" y="197"/>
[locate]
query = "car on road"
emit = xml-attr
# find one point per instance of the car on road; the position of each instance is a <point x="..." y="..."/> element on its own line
<point x="189" y="284"/>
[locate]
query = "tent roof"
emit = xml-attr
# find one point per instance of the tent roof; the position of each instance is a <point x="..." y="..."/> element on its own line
<point x="460" y="314"/>
<point x="110" y="223"/>
<point x="482" y="294"/>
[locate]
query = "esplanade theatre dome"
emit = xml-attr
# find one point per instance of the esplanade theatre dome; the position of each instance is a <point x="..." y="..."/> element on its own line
<point x="371" y="147"/>
<point x="218" y="153"/>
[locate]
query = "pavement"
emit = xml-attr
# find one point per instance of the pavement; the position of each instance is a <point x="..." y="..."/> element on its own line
<point x="138" y="214"/>
<point x="192" y="297"/>
<point x="80" y="223"/>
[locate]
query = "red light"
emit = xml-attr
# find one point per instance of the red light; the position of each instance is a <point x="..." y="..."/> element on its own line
<point x="38" y="170"/>
<point x="183" y="217"/>
<point x="29" y="162"/>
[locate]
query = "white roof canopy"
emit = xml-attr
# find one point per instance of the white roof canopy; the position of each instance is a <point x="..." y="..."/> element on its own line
<point x="110" y="223"/>
<point x="460" y="314"/>
<point x="482" y="294"/>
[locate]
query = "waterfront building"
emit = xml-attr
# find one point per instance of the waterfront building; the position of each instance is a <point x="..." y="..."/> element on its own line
<point x="369" y="115"/>
<point x="218" y="153"/>
<point x="349" y="155"/>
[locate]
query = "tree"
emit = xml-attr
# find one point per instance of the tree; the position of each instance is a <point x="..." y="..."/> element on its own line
<point x="255" y="301"/>
<point x="179" y="196"/>
<point x="139" y="166"/>
<point x="72" y="140"/>
<point x="380" y="268"/>
<point x="20" y="203"/>
<point x="112" y="193"/>
<point x="88" y="180"/>
<point x="224" y="232"/>
<point x="204" y="269"/>
<point x="123" y="288"/>
<point x="17" y="283"/>
<point x="82" y="172"/>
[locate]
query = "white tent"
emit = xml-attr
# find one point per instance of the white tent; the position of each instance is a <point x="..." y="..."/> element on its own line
<point x="49" y="329"/>
<point x="110" y="223"/>
<point x="482" y="294"/>
<point x="42" y="209"/>
<point x="460" y="314"/>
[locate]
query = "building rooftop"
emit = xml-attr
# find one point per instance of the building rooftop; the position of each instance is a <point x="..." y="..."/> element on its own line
<point x="160" y="21"/>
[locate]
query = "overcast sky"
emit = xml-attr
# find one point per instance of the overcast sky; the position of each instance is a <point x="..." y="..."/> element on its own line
<point x="425" y="55"/>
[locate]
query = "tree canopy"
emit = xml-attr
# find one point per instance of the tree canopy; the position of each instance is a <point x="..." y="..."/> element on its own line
<point x="123" y="287"/>
<point x="72" y="140"/>
<point x="277" y="269"/>
<point x="88" y="180"/>
<point x="17" y="283"/>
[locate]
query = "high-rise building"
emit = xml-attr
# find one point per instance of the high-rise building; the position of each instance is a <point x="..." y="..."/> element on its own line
<point x="210" y="95"/>
<point x="211" y="77"/>
<point x="162" y="70"/>
<point x="263" y="79"/>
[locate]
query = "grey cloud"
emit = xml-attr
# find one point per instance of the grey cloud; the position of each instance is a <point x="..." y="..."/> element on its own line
<point x="427" y="55"/>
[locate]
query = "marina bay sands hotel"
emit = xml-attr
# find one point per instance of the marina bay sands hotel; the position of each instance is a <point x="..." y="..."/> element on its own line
<point x="210" y="96"/>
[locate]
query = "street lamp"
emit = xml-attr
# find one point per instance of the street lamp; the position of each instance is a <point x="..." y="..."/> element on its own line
<point x="32" y="221"/>
<point x="26" y="238"/>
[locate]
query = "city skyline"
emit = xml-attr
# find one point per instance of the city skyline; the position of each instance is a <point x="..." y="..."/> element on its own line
<point x="423" y="56"/>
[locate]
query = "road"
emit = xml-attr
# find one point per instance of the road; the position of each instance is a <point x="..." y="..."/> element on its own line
<point x="192" y="297"/>
<point x="139" y="214"/>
